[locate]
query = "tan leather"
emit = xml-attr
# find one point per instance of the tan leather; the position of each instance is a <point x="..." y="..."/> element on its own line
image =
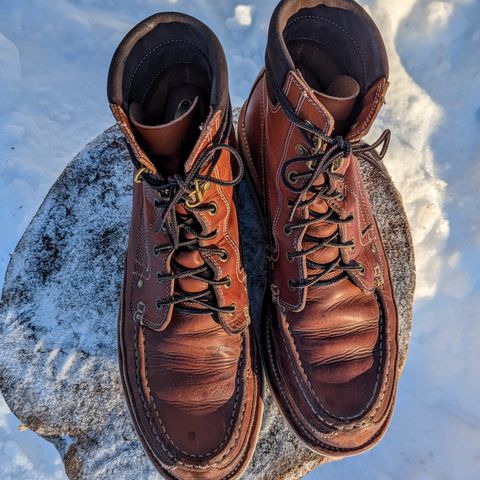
<point x="192" y="381"/>
<point x="330" y="351"/>
<point x="339" y="99"/>
<point x="165" y="139"/>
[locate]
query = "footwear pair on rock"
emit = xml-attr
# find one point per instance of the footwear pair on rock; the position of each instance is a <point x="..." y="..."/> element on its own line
<point x="190" y="365"/>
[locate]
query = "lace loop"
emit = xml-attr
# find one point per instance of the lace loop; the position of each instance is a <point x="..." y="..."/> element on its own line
<point x="326" y="152"/>
<point x="184" y="231"/>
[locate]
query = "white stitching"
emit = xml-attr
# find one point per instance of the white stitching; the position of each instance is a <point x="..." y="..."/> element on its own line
<point x="147" y="412"/>
<point x="355" y="425"/>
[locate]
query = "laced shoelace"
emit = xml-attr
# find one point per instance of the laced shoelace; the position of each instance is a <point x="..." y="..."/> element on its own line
<point x="324" y="159"/>
<point x="184" y="231"/>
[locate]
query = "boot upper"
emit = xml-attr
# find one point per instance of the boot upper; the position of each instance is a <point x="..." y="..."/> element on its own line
<point x="188" y="359"/>
<point x="331" y="331"/>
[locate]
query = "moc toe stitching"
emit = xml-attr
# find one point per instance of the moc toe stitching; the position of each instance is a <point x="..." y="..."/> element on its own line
<point x="170" y="440"/>
<point x="376" y="396"/>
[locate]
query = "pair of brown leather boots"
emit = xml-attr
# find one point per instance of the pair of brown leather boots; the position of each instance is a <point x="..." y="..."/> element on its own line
<point x="189" y="362"/>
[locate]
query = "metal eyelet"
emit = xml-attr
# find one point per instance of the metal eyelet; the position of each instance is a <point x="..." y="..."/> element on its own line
<point x="290" y="259"/>
<point x="352" y="246"/>
<point x="229" y="282"/>
<point x="362" y="270"/>
<point x="290" y="176"/>
<point x="138" y="174"/>
<point x="213" y="208"/>
<point x="195" y="197"/>
<point x="234" y="308"/>
<point x="301" y="150"/>
<point x="316" y="140"/>
<point x="311" y="165"/>
<point x="223" y="257"/>
<point x="156" y="252"/>
<point x="287" y="229"/>
<point x="290" y="285"/>
<point x="337" y="165"/>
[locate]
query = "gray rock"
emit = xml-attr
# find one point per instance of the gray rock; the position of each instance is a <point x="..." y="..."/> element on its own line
<point x="58" y="361"/>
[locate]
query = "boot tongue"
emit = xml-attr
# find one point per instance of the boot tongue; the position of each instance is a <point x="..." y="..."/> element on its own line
<point x="170" y="143"/>
<point x="339" y="99"/>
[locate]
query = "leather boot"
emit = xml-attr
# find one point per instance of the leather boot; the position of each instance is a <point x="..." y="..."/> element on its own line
<point x="330" y="338"/>
<point x="188" y="360"/>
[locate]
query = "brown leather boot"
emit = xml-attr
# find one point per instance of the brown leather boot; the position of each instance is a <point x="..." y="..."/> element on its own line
<point x="188" y="360"/>
<point x="331" y="323"/>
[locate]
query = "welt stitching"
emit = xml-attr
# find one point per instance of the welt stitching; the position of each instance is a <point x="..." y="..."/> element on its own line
<point x="156" y="47"/>
<point x="296" y="419"/>
<point x="345" y="32"/>
<point x="246" y="449"/>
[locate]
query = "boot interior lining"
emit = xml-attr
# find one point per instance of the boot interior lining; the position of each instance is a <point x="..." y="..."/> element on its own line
<point x="168" y="62"/>
<point x="326" y="41"/>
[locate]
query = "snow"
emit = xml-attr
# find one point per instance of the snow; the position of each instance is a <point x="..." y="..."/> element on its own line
<point x="54" y="58"/>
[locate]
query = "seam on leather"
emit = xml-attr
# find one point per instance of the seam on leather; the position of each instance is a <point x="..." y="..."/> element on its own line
<point x="291" y="128"/>
<point x="159" y="439"/>
<point x="375" y="394"/>
<point x="298" y="235"/>
<point x="298" y="423"/>
<point x="241" y="317"/>
<point x="370" y="113"/>
<point x="145" y="244"/>
<point x="142" y="397"/>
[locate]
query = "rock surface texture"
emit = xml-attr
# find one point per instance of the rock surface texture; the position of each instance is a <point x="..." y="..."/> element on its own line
<point x="58" y="316"/>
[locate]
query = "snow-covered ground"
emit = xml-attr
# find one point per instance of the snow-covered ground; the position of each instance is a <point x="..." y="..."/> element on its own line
<point x="54" y="57"/>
